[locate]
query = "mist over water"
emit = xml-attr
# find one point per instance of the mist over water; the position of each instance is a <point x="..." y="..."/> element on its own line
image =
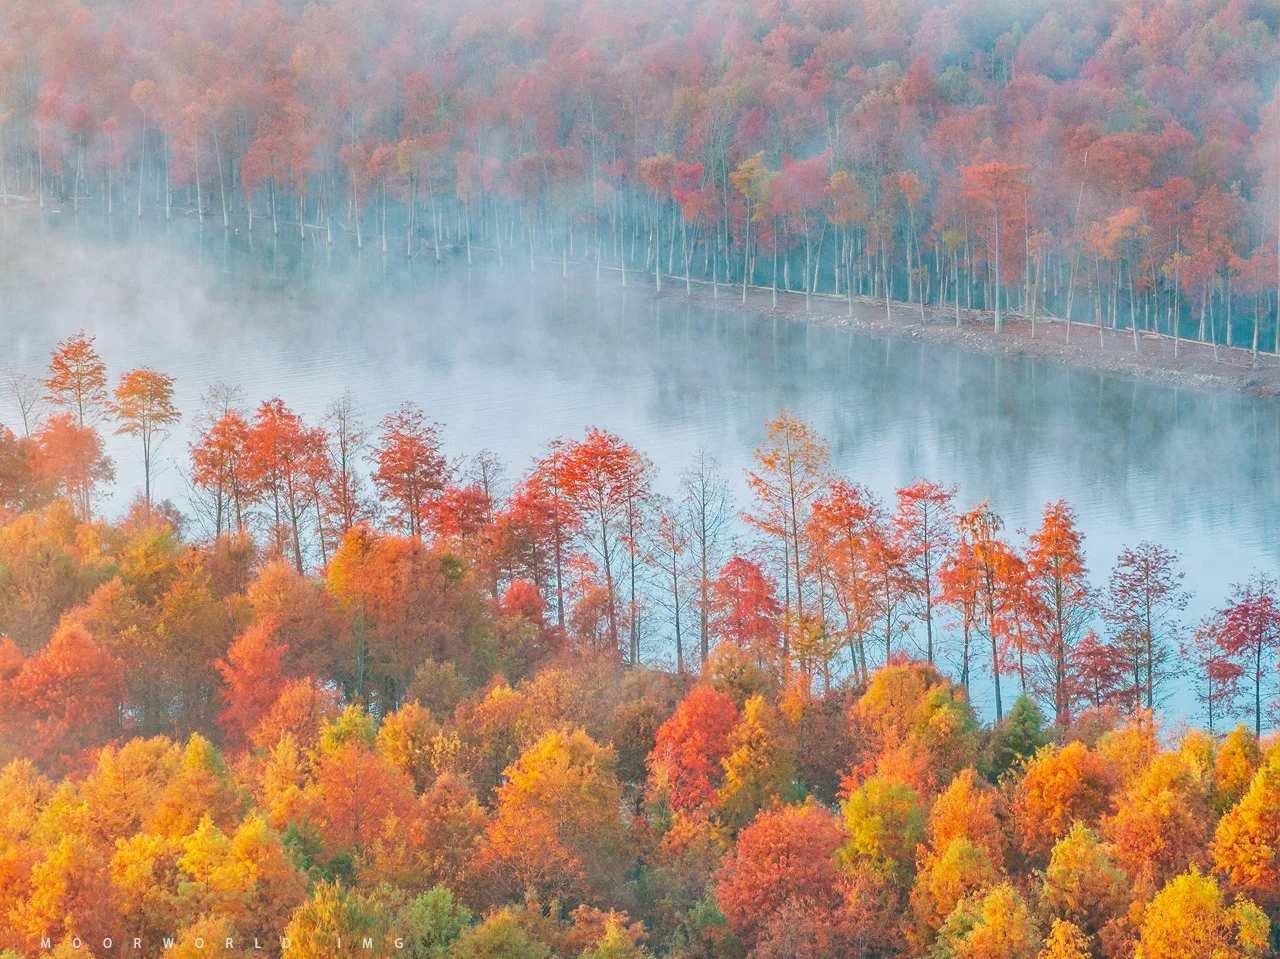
<point x="507" y="362"/>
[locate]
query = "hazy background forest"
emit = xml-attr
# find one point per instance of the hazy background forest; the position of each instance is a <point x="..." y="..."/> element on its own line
<point x="1111" y="161"/>
<point x="284" y="662"/>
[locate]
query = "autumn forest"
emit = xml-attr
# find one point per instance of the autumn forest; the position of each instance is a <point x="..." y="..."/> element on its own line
<point x="361" y="690"/>
<point x="1110" y="163"/>
<point x="355" y="693"/>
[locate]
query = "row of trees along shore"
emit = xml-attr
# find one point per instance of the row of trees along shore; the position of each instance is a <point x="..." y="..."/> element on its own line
<point x="1115" y="163"/>
<point x="366" y="699"/>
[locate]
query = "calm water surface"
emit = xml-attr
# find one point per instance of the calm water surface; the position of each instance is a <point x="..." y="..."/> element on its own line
<point x="508" y="363"/>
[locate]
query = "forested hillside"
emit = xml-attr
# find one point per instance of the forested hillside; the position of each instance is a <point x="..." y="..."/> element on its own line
<point x="358" y="696"/>
<point x="1115" y="162"/>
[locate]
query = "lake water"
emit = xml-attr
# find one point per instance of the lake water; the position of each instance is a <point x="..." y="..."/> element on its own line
<point x="508" y="363"/>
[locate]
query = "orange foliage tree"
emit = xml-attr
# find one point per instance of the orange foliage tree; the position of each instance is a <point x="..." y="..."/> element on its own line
<point x="71" y="457"/>
<point x="410" y="468"/>
<point x="792" y="467"/>
<point x="557" y="827"/>
<point x="1061" y="786"/>
<point x="78" y="380"/>
<point x="783" y="868"/>
<point x="689" y="748"/>
<point x="67" y="698"/>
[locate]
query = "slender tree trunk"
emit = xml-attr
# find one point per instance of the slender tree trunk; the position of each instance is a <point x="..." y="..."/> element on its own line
<point x="1226" y="289"/>
<point x="1075" y="252"/>
<point x="1035" y="294"/>
<point x="1176" y="317"/>
<point x="40" y="161"/>
<point x="1133" y="319"/>
<point x="142" y="159"/>
<point x="1257" y="316"/>
<point x="995" y="655"/>
<point x="675" y="602"/>
<point x="657" y="252"/>
<point x="168" y="183"/>
<point x="775" y="262"/>
<point x="195" y="148"/>
<point x="1276" y="347"/>
<point x="146" y="468"/>
<point x="999" y="313"/>
<point x="1213" y="329"/>
<point x="686" y="253"/>
<point x="355" y="197"/>
<point x="808" y="283"/>
<point x="955" y="269"/>
<point x="884" y="276"/>
<point x="222" y="186"/>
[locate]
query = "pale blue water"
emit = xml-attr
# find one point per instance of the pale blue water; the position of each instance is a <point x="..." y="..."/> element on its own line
<point x="506" y="364"/>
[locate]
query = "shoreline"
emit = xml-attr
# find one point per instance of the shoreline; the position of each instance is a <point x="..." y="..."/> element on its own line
<point x="1194" y="367"/>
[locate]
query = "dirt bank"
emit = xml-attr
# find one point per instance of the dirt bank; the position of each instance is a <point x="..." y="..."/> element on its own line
<point x="1105" y="351"/>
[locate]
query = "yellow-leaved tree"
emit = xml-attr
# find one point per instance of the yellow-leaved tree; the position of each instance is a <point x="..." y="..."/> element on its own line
<point x="1189" y="919"/>
<point x="993" y="925"/>
<point x="1065" y="941"/>
<point x="557" y="826"/>
<point x="1247" y="845"/>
